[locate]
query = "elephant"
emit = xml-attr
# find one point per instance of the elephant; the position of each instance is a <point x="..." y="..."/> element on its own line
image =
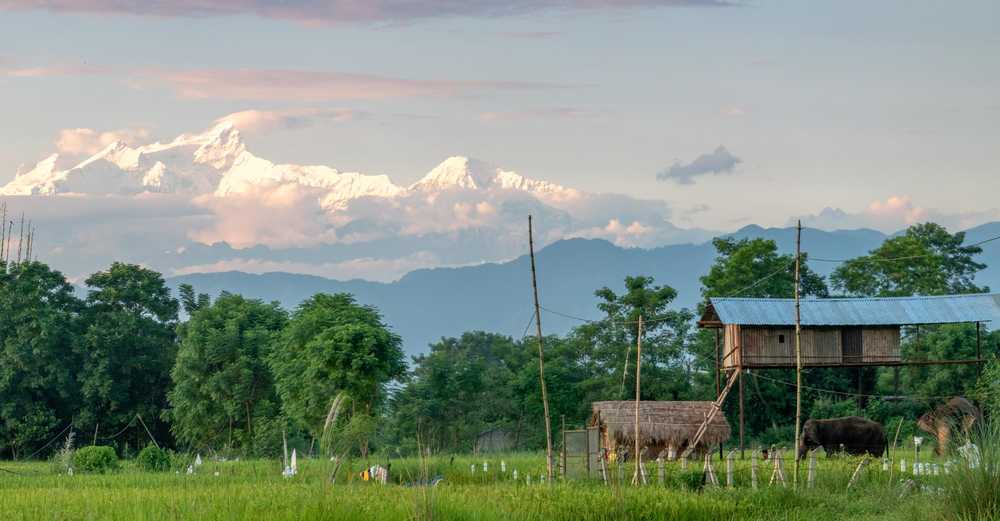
<point x="956" y="412"/>
<point x="852" y="434"/>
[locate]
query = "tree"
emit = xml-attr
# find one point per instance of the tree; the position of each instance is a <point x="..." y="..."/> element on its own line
<point x="754" y="268"/>
<point x="462" y="387"/>
<point x="332" y="345"/>
<point x="223" y="393"/>
<point x="608" y="345"/>
<point x="190" y="301"/>
<point x="128" y="348"/>
<point x="926" y="260"/>
<point x="38" y="319"/>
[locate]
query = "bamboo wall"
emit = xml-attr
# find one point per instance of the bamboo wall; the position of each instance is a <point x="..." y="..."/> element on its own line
<point x="775" y="346"/>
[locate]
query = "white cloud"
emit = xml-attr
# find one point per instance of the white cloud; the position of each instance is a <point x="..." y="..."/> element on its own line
<point x="895" y="213"/>
<point x="368" y="268"/>
<point x="87" y="141"/>
<point x="267" y="120"/>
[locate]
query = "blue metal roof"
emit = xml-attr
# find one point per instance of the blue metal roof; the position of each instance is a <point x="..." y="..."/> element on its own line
<point x="946" y="309"/>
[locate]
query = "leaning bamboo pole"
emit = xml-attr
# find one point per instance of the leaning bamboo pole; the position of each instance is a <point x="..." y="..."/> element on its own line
<point x="541" y="354"/>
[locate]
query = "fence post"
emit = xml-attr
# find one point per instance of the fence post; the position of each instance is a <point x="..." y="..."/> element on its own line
<point x="684" y="462"/>
<point x="753" y="469"/>
<point x="709" y="471"/>
<point x="857" y="472"/>
<point x="729" y="468"/>
<point x="811" y="477"/>
<point x="779" y="472"/>
<point x="604" y="467"/>
<point x="659" y="470"/>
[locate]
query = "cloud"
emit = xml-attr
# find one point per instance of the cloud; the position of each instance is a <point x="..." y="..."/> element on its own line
<point x="895" y="213"/>
<point x="279" y="84"/>
<point x="267" y="120"/>
<point x="45" y="71"/>
<point x="545" y="113"/>
<point x="719" y="161"/>
<point x="87" y="141"/>
<point x="313" y="86"/>
<point x="734" y="111"/>
<point x="342" y="11"/>
<point x="368" y="268"/>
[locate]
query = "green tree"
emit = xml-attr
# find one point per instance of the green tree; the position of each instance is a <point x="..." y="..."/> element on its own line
<point x="222" y="391"/>
<point x="332" y="345"/>
<point x="38" y="317"/>
<point x="462" y="387"/>
<point x="128" y="348"/>
<point x="753" y="268"/>
<point x="608" y="346"/>
<point x="926" y="260"/>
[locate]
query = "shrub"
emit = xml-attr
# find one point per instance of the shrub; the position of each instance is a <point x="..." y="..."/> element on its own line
<point x="95" y="459"/>
<point x="972" y="492"/>
<point x="153" y="459"/>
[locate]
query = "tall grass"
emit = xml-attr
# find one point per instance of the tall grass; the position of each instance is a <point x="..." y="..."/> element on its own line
<point x="255" y="490"/>
<point x="973" y="491"/>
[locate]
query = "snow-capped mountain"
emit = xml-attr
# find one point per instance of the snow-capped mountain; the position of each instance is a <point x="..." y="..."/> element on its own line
<point x="217" y="162"/>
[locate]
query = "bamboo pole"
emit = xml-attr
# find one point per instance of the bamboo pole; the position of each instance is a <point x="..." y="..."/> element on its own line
<point x="3" y="231"/>
<point x="638" y="379"/>
<point x="20" y="239"/>
<point x="10" y="232"/>
<point x="541" y="355"/>
<point x="798" y="349"/>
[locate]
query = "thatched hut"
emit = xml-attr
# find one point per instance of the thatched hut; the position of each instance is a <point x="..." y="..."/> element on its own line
<point x="664" y="427"/>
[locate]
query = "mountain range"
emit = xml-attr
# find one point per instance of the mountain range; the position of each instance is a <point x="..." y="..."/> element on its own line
<point x="204" y="202"/>
<point x="427" y="304"/>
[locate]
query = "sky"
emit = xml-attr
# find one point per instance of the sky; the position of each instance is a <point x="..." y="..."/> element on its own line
<point x="845" y="114"/>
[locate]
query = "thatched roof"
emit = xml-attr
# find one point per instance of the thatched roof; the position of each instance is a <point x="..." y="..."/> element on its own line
<point x="673" y="423"/>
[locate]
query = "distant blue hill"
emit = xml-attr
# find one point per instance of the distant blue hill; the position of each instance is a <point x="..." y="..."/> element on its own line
<point x="428" y="304"/>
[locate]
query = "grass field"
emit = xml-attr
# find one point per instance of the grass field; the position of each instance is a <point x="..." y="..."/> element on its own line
<point x="256" y="490"/>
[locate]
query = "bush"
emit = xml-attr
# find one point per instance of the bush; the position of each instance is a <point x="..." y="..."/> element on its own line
<point x="972" y="492"/>
<point x="95" y="459"/>
<point x="153" y="459"/>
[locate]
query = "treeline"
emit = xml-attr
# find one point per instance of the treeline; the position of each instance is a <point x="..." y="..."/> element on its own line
<point x="239" y="375"/>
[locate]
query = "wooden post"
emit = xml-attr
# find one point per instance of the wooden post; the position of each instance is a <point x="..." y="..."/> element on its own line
<point x="753" y="469"/>
<point x="979" y="352"/>
<point x="20" y="239"/>
<point x="857" y="472"/>
<point x="10" y="232"/>
<point x="563" y="436"/>
<point x="710" y="477"/>
<point x="604" y="466"/>
<point x="798" y="348"/>
<point x="660" y="474"/>
<point x="811" y="477"/>
<point x="638" y="379"/>
<point x="729" y="468"/>
<point x="718" y="376"/>
<point x="742" y="455"/>
<point x="3" y="231"/>
<point x="541" y="356"/>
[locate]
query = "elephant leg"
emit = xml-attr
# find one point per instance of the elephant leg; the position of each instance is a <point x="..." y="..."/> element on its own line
<point x="943" y="437"/>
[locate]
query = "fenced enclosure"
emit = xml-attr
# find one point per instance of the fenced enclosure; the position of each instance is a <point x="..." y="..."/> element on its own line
<point x="581" y="456"/>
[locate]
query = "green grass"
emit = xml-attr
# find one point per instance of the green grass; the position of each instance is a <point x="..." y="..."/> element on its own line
<point x="256" y="490"/>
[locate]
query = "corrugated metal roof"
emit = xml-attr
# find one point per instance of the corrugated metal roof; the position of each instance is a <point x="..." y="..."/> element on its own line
<point x="946" y="309"/>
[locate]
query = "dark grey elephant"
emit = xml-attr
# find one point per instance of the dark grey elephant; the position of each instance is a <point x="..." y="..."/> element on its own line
<point x="852" y="434"/>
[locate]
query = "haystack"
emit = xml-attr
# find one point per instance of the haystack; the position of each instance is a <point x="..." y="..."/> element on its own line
<point x="662" y="425"/>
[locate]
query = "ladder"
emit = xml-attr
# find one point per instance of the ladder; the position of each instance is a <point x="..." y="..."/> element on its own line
<point x="716" y="408"/>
